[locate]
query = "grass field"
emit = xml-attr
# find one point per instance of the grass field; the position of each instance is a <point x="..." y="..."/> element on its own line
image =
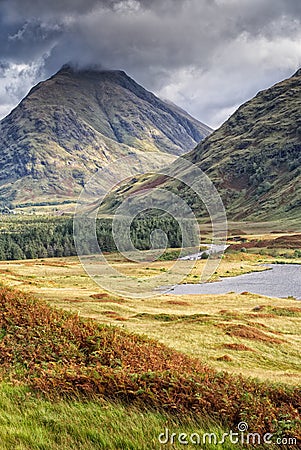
<point x="246" y="334"/>
<point x="266" y="345"/>
<point x="29" y="422"/>
<point x="61" y="375"/>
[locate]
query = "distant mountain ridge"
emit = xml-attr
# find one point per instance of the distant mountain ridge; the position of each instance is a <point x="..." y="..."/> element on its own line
<point x="253" y="159"/>
<point x="73" y="123"/>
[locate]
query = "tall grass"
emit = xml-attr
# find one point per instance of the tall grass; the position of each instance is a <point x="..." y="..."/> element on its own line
<point x="64" y="357"/>
<point x="28" y="422"/>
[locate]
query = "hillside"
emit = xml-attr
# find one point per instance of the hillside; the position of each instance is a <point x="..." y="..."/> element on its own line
<point x="253" y="158"/>
<point x="62" y="355"/>
<point x="70" y="125"/>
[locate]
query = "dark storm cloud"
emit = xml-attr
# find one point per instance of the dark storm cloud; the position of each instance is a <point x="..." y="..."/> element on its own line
<point x="30" y="40"/>
<point x="28" y="8"/>
<point x="206" y="55"/>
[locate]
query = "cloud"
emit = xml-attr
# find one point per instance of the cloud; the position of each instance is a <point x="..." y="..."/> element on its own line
<point x="208" y="56"/>
<point x="15" y="81"/>
<point x="213" y="94"/>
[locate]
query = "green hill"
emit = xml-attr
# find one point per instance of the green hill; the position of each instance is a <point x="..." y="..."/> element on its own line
<point x="253" y="159"/>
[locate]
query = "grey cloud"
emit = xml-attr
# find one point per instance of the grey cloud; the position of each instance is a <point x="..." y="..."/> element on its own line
<point x="40" y="8"/>
<point x="31" y="40"/>
<point x="15" y="9"/>
<point x="206" y="55"/>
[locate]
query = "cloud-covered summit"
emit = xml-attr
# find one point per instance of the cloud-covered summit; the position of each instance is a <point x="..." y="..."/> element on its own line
<point x="208" y="56"/>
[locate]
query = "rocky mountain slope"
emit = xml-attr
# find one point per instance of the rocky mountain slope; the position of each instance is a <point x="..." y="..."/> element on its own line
<point x="70" y="125"/>
<point x="254" y="158"/>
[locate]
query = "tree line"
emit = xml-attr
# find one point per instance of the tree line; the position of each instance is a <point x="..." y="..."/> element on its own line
<point x="47" y="238"/>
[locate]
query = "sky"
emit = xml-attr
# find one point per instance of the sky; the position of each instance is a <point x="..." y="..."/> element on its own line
<point x="207" y="56"/>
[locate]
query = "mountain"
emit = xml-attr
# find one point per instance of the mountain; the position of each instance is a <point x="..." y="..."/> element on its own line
<point x="254" y="158"/>
<point x="71" y="124"/>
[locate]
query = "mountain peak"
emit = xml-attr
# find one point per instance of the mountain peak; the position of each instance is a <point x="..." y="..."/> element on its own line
<point x="75" y="122"/>
<point x="96" y="70"/>
<point x="99" y="75"/>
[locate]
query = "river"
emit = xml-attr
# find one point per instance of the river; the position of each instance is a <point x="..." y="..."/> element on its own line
<point x="281" y="280"/>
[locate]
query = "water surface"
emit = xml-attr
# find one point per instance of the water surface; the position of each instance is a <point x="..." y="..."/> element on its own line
<point x="281" y="280"/>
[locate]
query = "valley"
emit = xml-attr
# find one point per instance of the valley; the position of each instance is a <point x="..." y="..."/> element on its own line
<point x="111" y="360"/>
<point x="209" y="326"/>
<point x="245" y="345"/>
